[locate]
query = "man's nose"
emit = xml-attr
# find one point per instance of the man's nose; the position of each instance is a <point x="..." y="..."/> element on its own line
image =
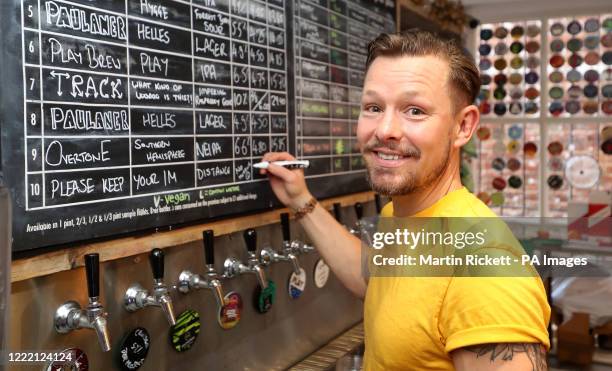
<point x="389" y="128"/>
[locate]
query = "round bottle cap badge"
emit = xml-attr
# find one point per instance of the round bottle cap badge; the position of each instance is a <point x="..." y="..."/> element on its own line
<point x="591" y="76"/>
<point x="555" y="148"/>
<point x="574" y="27"/>
<point x="557" y="29"/>
<point x="486" y="34"/>
<point x="499" y="183"/>
<point x="264" y="298"/>
<point x="591" y="25"/>
<point x="500" y="64"/>
<point x="516" y="78"/>
<point x="590" y="107"/>
<point x="592" y="58"/>
<point x="484" y="49"/>
<point x="574" y="91"/>
<point x="515" y="182"/>
<point x="606" y="41"/>
<point x="532" y="77"/>
<point x="485" y="107"/>
<point x="555" y="77"/>
<point x="555" y="182"/>
<point x="517" y="31"/>
<point x="573" y="76"/>
<point x="574" y="45"/>
<point x="555" y="108"/>
<point x="500" y="79"/>
<point x="532" y="47"/>
<point x="499" y="109"/>
<point x="498" y="164"/>
<point x="533" y="30"/>
<point x="184" y="334"/>
<point x="591" y="42"/>
<point x="501" y="32"/>
<point x="484" y="64"/>
<point x="484" y="197"/>
<point x="555" y="164"/>
<point x="75" y="360"/>
<point x="515" y="132"/>
<point x="321" y="273"/>
<point x="532" y="62"/>
<point x="515" y="108"/>
<point x="516" y="62"/>
<point x="501" y="48"/>
<point x="514" y="164"/>
<point x="556" y="61"/>
<point x="497" y="198"/>
<point x="530" y="149"/>
<point x="590" y="91"/>
<point x="531" y="108"/>
<point x="516" y="93"/>
<point x="133" y="349"/>
<point x="557" y="45"/>
<point x="483" y="133"/>
<point x="532" y="93"/>
<point x="513" y="146"/>
<point x="297" y="284"/>
<point x="572" y="107"/>
<point x="485" y="79"/>
<point x="229" y="315"/>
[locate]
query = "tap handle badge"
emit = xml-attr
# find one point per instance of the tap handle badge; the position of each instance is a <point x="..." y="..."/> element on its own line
<point x="359" y="210"/>
<point x="250" y="238"/>
<point x="92" y="270"/>
<point x="285" y="226"/>
<point x="157" y="263"/>
<point x="377" y="201"/>
<point x="208" y="237"/>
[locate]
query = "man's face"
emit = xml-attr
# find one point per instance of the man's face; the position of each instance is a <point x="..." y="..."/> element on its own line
<point x="404" y="129"/>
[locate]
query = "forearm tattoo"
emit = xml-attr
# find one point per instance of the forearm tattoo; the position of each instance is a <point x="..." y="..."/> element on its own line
<point x="536" y="353"/>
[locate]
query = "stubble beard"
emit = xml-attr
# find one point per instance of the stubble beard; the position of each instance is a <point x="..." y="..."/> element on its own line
<point x="408" y="182"/>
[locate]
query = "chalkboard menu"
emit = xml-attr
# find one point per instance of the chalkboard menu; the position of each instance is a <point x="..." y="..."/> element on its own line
<point x="123" y="115"/>
<point x="331" y="38"/>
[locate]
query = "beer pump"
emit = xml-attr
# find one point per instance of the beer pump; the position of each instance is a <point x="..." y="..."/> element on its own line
<point x="69" y="316"/>
<point x="136" y="297"/>
<point x="211" y="280"/>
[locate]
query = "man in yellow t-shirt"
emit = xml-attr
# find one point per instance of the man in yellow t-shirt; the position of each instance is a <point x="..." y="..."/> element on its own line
<point x="416" y="113"/>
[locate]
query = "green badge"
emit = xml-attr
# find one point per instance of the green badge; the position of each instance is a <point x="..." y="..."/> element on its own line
<point x="265" y="298"/>
<point x="184" y="334"/>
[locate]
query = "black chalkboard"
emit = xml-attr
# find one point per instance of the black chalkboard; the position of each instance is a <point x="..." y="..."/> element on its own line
<point x="124" y="115"/>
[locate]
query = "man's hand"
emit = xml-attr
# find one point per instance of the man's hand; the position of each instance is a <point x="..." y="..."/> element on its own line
<point x="288" y="185"/>
<point x="340" y="249"/>
<point x="501" y="357"/>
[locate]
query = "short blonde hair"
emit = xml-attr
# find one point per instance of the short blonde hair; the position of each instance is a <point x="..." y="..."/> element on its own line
<point x="463" y="76"/>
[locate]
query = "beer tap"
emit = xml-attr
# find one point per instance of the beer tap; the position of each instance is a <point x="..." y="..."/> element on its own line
<point x="356" y="230"/>
<point x="136" y="297"/>
<point x="234" y="267"/>
<point x="69" y="316"/>
<point x="297" y="247"/>
<point x="268" y="255"/>
<point x="189" y="281"/>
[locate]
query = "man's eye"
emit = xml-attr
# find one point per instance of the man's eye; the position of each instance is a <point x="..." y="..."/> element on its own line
<point x="415" y="111"/>
<point x="373" y="109"/>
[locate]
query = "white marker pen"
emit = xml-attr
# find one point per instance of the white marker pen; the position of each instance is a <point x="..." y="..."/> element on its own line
<point x="299" y="164"/>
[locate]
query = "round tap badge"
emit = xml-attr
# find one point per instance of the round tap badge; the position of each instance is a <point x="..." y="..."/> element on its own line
<point x="516" y="32"/>
<point x="592" y="58"/>
<point x="555" y="92"/>
<point x="533" y="30"/>
<point x="572" y="107"/>
<point x="590" y="107"/>
<point x="515" y="108"/>
<point x="590" y="91"/>
<point x="75" y="360"/>
<point x="498" y="164"/>
<point x="591" y="42"/>
<point x="556" y="61"/>
<point x="485" y="79"/>
<point x="321" y="273"/>
<point x="497" y="198"/>
<point x="555" y="164"/>
<point x="501" y="48"/>
<point x="574" y="45"/>
<point x="532" y="93"/>
<point x="184" y="334"/>
<point x="486" y="34"/>
<point x="484" y="64"/>
<point x="574" y="60"/>
<point x="501" y="32"/>
<point x="516" y="47"/>
<point x="532" y="47"/>
<point x="557" y="45"/>
<point x="531" y="107"/>
<point x="484" y="197"/>
<point x="500" y="64"/>
<point x="574" y="27"/>
<point x="484" y="49"/>
<point x="555" y="182"/>
<point x="532" y="62"/>
<point x="574" y="92"/>
<point x="133" y="349"/>
<point x="607" y="107"/>
<point x="607" y="91"/>
<point x="483" y="133"/>
<point x="591" y="75"/>
<point x="499" y="183"/>
<point x="531" y="77"/>
<point x="516" y="78"/>
<point x="513" y="146"/>
<point x="500" y="79"/>
<point x="607" y="24"/>
<point x="555" y="108"/>
<point x="499" y="148"/>
<point x="297" y="284"/>
<point x="514" y="164"/>
<point x="515" y="182"/>
<point x="573" y="76"/>
<point x="555" y="148"/>
<point x="515" y="132"/>
<point x="485" y="107"/>
<point x="591" y="25"/>
<point x="530" y="149"/>
<point x="499" y="109"/>
<point x="264" y="298"/>
<point x="555" y="77"/>
<point x="606" y="41"/>
<point x="516" y="62"/>
<point x="557" y="29"/>
<point x="229" y="314"/>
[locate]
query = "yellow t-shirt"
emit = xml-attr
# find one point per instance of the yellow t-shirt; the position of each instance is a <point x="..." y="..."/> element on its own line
<point x="413" y="323"/>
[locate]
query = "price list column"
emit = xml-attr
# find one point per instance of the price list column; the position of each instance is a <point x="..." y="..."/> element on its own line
<point x="161" y="96"/>
<point x="77" y="124"/>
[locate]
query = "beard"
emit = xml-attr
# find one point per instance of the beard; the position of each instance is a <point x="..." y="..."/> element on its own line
<point x="395" y="182"/>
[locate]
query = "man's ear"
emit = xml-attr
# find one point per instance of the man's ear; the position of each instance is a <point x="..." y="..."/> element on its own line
<point x="468" y="119"/>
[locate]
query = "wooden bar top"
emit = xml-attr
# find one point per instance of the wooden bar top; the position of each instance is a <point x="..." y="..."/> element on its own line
<point x="66" y="259"/>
